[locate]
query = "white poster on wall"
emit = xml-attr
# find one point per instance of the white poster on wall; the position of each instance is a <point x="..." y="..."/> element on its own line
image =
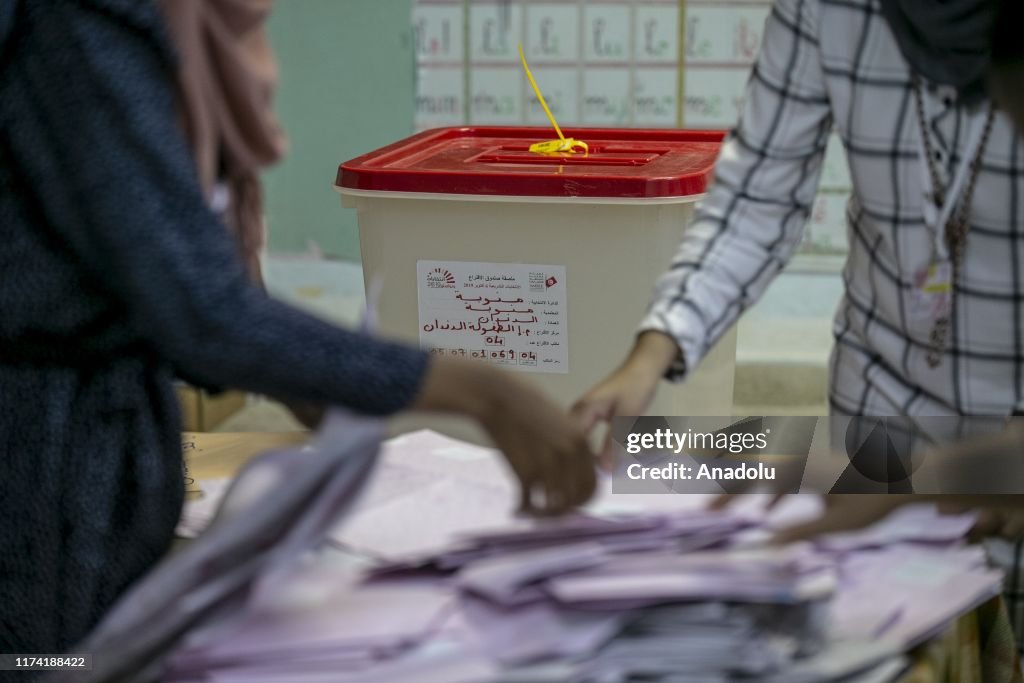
<point x="509" y="314"/>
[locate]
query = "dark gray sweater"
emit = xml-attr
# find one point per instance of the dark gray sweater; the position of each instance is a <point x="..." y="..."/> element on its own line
<point x="115" y="277"/>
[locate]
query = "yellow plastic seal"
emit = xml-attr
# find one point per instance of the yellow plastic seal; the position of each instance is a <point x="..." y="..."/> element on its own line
<point x="562" y="145"/>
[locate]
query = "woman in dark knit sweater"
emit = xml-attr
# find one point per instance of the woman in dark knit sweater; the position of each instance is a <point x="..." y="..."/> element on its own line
<point x="116" y="277"/>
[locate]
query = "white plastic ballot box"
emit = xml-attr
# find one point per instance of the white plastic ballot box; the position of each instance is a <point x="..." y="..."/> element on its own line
<point x="541" y="264"/>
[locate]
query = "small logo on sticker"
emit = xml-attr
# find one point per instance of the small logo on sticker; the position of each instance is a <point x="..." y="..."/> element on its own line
<point x="440" y="277"/>
<point x="551" y="282"/>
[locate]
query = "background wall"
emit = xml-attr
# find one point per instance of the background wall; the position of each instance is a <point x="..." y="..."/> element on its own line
<point x="347" y="87"/>
<point x="619" y="63"/>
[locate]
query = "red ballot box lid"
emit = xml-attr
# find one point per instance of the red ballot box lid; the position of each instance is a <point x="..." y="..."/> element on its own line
<point x="497" y="161"/>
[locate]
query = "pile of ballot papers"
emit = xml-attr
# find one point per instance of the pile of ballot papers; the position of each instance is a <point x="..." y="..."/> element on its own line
<point x="432" y="578"/>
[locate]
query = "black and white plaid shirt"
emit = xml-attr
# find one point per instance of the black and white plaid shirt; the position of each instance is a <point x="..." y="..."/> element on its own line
<point x="835" y="63"/>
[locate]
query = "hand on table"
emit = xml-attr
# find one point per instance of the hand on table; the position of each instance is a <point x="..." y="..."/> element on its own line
<point x="628" y="390"/>
<point x="546" y="450"/>
<point x="848" y="512"/>
<point x="843" y="512"/>
<point x="999" y="516"/>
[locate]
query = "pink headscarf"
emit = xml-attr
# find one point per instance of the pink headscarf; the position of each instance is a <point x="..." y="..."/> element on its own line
<point x="226" y="78"/>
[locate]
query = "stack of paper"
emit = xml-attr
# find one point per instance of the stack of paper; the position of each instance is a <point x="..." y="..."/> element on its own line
<point x="651" y="588"/>
<point x="323" y="622"/>
<point x="908" y="592"/>
<point x="278" y="510"/>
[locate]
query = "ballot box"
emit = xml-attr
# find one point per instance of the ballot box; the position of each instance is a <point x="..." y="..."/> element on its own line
<point x="541" y="264"/>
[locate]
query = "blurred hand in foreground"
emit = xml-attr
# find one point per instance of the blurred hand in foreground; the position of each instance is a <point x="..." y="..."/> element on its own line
<point x="546" y="450"/>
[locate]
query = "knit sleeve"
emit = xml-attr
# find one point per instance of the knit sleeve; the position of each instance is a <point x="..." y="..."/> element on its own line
<point x="88" y="116"/>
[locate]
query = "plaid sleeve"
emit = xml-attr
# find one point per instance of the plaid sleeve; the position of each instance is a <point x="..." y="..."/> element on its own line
<point x="765" y="181"/>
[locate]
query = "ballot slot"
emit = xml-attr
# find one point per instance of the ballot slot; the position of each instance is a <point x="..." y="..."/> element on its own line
<point x="599" y="155"/>
<point x="449" y="150"/>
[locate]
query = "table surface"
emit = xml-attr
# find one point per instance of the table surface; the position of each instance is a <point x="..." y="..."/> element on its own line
<point x="220" y="455"/>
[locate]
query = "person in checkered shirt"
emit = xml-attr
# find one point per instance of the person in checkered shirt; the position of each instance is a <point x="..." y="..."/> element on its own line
<point x="931" y="322"/>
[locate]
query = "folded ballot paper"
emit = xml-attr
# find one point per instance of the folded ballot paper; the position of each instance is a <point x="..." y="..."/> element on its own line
<point x="281" y="505"/>
<point x="634" y="587"/>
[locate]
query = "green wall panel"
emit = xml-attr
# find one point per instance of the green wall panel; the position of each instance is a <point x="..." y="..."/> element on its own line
<point x="347" y="87"/>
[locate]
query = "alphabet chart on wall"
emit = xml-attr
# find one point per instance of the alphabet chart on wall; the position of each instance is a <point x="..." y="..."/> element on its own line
<point x="617" y="63"/>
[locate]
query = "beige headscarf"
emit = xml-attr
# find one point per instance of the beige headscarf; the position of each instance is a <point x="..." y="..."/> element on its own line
<point x="226" y="78"/>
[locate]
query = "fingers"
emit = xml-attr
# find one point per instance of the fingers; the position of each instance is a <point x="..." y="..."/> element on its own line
<point x="606" y="458"/>
<point x="589" y="412"/>
<point x="996" y="521"/>
<point x="1013" y="526"/>
<point x="625" y="392"/>
<point x="578" y="471"/>
<point x="556" y="479"/>
<point x="587" y="479"/>
<point x="576" y="478"/>
<point x="535" y="481"/>
<point x="526" y="485"/>
<point x="986" y="525"/>
<point x="558" y="483"/>
<point x="545" y="448"/>
<point x="842" y="513"/>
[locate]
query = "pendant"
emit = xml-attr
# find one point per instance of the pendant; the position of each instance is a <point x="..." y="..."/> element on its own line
<point x="931" y="297"/>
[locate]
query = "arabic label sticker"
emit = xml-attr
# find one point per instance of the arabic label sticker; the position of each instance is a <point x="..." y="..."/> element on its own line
<point x="508" y="314"/>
